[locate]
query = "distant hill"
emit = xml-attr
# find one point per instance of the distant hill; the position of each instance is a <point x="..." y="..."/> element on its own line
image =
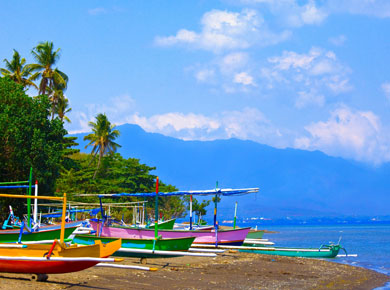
<point x="292" y="182"/>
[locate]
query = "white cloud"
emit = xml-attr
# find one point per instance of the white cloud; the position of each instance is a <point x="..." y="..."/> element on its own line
<point x="248" y="124"/>
<point x="293" y="13"/>
<point x="116" y="109"/>
<point x="298" y="13"/>
<point x="233" y="61"/>
<point x="224" y="30"/>
<point x="309" y="98"/>
<point x="376" y="8"/>
<point x="311" y="14"/>
<point x="244" y="78"/>
<point x="352" y="134"/>
<point x="205" y="75"/>
<point x="386" y="89"/>
<point x="316" y="71"/>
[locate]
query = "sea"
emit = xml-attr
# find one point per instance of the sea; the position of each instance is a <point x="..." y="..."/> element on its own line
<point x="368" y="245"/>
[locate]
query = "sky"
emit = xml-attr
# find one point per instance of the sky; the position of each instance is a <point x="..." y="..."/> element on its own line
<point x="311" y="75"/>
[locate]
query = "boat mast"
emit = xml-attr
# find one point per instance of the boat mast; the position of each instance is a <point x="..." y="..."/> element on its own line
<point x="156" y="212"/>
<point x="29" y="200"/>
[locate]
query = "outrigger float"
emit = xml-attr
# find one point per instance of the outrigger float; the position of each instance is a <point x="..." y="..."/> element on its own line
<point x="325" y="251"/>
<point x="57" y="258"/>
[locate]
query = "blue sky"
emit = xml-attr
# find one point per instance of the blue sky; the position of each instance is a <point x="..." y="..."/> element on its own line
<point x="312" y="75"/>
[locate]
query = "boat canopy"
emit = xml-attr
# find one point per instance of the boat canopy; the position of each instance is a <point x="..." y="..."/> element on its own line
<point x="218" y="191"/>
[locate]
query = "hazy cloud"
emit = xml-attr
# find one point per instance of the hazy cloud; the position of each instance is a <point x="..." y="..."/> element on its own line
<point x="224" y="30"/>
<point x="338" y="40"/>
<point x="386" y="89"/>
<point x="97" y="11"/>
<point x="307" y="73"/>
<point x="348" y="133"/>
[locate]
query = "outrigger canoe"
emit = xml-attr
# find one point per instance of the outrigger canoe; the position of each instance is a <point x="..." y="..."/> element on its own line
<point x="151" y="245"/>
<point x="53" y="259"/>
<point x="325" y="251"/>
<point x="50" y="232"/>
<point x="222" y="237"/>
<point x="56" y="258"/>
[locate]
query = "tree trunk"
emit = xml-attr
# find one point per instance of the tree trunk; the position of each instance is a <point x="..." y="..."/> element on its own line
<point x="100" y="157"/>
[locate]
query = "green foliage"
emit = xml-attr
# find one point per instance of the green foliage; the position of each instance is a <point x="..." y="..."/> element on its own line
<point x="102" y="138"/>
<point x="198" y="208"/>
<point x="28" y="137"/>
<point x="116" y="175"/>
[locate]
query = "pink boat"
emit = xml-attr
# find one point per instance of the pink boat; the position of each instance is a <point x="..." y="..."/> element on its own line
<point x="225" y="237"/>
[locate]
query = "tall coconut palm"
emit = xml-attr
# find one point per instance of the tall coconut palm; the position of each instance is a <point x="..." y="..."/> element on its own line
<point x="62" y="107"/>
<point x="56" y="95"/>
<point x="46" y="58"/>
<point x="18" y="72"/>
<point x="102" y="138"/>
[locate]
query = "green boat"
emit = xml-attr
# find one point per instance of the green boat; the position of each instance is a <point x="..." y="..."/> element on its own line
<point x="255" y="234"/>
<point x="149" y="245"/>
<point x="325" y="251"/>
<point x="45" y="233"/>
<point x="164" y="225"/>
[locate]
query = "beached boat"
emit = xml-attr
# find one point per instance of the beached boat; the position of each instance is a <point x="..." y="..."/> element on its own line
<point x="46" y="233"/>
<point x="163" y="225"/>
<point x="178" y="244"/>
<point x="255" y="234"/>
<point x="325" y="251"/>
<point x="222" y="237"/>
<point x="41" y="259"/>
<point x="53" y="259"/>
<point x="214" y="236"/>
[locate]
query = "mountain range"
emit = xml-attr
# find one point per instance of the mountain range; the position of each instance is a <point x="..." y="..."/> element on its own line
<point x="292" y="182"/>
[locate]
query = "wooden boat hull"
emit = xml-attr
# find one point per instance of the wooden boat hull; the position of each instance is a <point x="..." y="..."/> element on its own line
<point x="179" y="244"/>
<point x="325" y="252"/>
<point x="44" y="267"/>
<point x="44" y="233"/>
<point x="225" y="237"/>
<point x="20" y="260"/>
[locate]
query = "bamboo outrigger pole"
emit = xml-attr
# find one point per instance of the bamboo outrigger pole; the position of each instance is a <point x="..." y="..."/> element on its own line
<point x="29" y="200"/>
<point x="156" y="212"/>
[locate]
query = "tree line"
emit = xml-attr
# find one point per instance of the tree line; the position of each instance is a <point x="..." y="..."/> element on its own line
<point x="32" y="134"/>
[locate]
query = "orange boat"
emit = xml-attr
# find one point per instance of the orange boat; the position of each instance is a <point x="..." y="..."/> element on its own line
<point x="56" y="258"/>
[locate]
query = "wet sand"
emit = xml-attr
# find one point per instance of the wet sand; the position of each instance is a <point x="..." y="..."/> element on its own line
<point x="231" y="270"/>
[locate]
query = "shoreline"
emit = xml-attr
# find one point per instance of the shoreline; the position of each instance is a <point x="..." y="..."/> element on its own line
<point x="231" y="270"/>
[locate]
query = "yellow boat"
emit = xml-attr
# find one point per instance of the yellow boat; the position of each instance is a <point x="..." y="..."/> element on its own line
<point x="55" y="258"/>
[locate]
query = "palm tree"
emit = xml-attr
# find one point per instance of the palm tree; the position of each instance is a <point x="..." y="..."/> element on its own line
<point x="18" y="72"/>
<point x="46" y="58"/>
<point x="62" y="107"/>
<point x="102" y="138"/>
<point x="56" y="95"/>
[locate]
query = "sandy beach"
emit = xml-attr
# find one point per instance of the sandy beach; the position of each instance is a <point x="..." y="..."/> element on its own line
<point x="231" y="270"/>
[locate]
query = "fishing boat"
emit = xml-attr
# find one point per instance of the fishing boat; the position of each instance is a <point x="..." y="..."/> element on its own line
<point x="43" y="233"/>
<point x="55" y="258"/>
<point x="255" y="234"/>
<point x="152" y="246"/>
<point x="41" y="259"/>
<point x="214" y="236"/>
<point x="325" y="251"/>
<point x="163" y="225"/>
<point x="223" y="237"/>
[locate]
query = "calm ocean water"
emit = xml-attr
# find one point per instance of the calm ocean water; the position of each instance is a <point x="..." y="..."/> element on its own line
<point x="371" y="243"/>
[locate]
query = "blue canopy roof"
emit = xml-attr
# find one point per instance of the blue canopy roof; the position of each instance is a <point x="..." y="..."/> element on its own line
<point x="218" y="191"/>
<point x="16" y="186"/>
